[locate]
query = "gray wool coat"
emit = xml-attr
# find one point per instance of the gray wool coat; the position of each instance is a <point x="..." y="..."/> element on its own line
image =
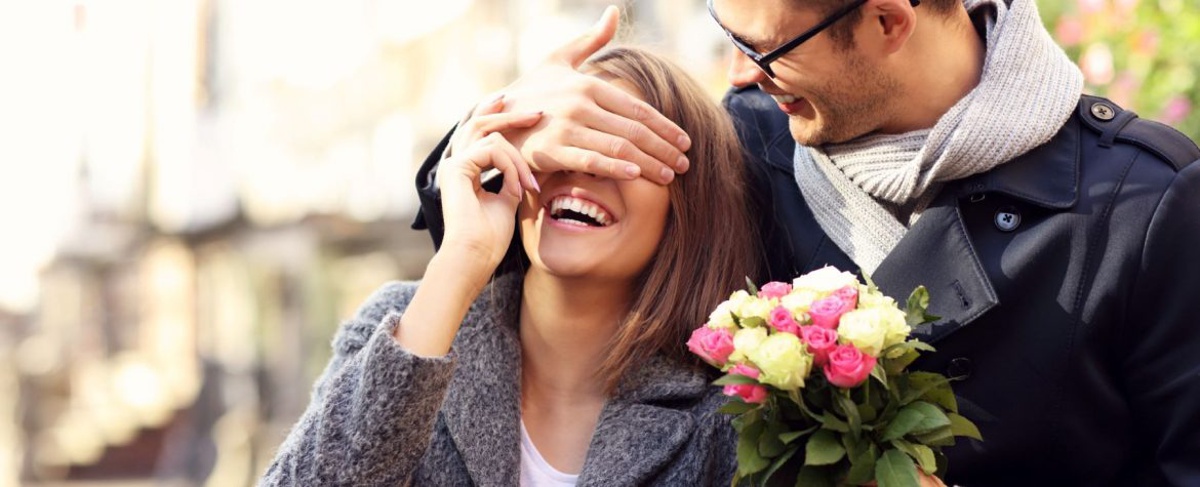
<point x="382" y="416"/>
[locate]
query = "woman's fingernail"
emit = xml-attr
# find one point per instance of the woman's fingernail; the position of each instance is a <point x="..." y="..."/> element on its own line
<point x="682" y="164"/>
<point x="632" y="170"/>
<point x="534" y="184"/>
<point x="667" y="175"/>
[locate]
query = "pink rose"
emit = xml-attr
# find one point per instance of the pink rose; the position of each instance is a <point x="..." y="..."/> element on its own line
<point x="782" y="320"/>
<point x="744" y="370"/>
<point x="712" y="345"/>
<point x="750" y="393"/>
<point x="848" y="294"/>
<point x="774" y="290"/>
<point x="826" y="312"/>
<point x="821" y="341"/>
<point x="848" y="367"/>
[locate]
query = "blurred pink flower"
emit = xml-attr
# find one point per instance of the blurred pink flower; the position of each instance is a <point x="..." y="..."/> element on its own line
<point x="1124" y="88"/>
<point x="1125" y="8"/>
<point x="1177" y="110"/>
<point x="1146" y="43"/>
<point x="1097" y="64"/>
<point x="1092" y="6"/>
<point x="1070" y="31"/>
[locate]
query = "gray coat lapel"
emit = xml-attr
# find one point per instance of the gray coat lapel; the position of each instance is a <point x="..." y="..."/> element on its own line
<point x="642" y="428"/>
<point x="937" y="253"/>
<point x="482" y="408"/>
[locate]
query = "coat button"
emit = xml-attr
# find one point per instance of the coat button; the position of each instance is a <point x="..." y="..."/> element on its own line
<point x="960" y="368"/>
<point x="1103" y="112"/>
<point x="1008" y="219"/>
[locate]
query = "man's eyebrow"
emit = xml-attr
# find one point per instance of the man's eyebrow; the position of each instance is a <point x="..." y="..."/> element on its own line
<point x="756" y="44"/>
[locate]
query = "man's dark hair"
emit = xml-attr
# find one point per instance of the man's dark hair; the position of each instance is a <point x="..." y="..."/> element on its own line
<point x="842" y="32"/>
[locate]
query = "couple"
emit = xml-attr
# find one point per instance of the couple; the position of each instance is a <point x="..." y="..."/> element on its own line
<point x="935" y="143"/>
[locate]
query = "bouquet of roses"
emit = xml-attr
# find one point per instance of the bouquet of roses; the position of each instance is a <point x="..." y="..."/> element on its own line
<point x="816" y="371"/>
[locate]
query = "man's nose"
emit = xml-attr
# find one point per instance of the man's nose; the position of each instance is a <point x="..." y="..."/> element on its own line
<point x="743" y="71"/>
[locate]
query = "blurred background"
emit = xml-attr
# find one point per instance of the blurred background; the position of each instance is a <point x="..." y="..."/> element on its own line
<point x="194" y="193"/>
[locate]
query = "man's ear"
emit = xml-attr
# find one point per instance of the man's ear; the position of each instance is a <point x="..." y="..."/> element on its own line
<point x="888" y="24"/>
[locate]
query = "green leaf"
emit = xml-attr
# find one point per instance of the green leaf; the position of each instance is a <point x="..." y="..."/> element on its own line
<point x="749" y="461"/>
<point x="769" y="444"/>
<point x="823" y="448"/>
<point x="862" y="466"/>
<point x="779" y="463"/>
<point x="789" y="437"/>
<point x="880" y="374"/>
<point x="917" y="419"/>
<point x="811" y="476"/>
<point x="896" y="469"/>
<point x="938" y="437"/>
<point x="960" y="426"/>
<point x="850" y="409"/>
<point x="905" y="421"/>
<point x="734" y="379"/>
<point x="922" y="454"/>
<point x="918" y="302"/>
<point x="753" y="322"/>
<point x="868" y="413"/>
<point x="933" y="388"/>
<point x="751" y="287"/>
<point x="736" y="406"/>
<point x="831" y="422"/>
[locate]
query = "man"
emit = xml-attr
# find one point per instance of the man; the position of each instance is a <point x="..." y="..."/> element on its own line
<point x="948" y="144"/>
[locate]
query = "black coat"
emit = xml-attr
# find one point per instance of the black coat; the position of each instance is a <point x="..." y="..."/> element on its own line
<point x="1070" y="300"/>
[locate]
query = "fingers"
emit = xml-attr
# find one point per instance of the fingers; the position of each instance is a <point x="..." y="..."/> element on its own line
<point x="578" y="50"/>
<point x="483" y="125"/>
<point x="623" y="151"/>
<point x="661" y="139"/>
<point x="591" y="162"/>
<point x="505" y="158"/>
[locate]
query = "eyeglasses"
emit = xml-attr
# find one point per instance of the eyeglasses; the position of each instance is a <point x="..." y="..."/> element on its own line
<point x="764" y="60"/>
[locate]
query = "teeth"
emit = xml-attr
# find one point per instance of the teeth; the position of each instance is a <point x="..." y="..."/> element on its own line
<point x="580" y="206"/>
<point x="785" y="99"/>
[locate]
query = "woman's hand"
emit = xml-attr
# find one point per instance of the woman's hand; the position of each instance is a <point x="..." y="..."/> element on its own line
<point x="479" y="228"/>
<point x="479" y="224"/>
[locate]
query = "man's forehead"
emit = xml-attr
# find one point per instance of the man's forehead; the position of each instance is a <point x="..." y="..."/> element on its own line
<point x="759" y="22"/>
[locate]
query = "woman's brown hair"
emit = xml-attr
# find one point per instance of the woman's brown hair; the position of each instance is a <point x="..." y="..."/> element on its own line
<point x="709" y="244"/>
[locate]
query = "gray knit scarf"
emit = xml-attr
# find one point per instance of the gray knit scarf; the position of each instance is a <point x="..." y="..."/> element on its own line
<point x="1027" y="91"/>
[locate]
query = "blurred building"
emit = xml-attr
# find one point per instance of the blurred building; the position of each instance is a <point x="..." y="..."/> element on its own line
<point x="236" y="176"/>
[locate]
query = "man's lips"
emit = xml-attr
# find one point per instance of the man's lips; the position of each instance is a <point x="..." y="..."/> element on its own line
<point x="790" y="104"/>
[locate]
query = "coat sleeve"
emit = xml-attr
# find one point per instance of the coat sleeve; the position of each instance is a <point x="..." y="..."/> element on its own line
<point x="1162" y="340"/>
<point x="372" y="411"/>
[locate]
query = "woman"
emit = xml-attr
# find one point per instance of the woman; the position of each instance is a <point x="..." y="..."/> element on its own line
<point x="570" y="371"/>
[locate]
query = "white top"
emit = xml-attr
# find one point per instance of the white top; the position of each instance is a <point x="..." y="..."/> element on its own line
<point x="535" y="472"/>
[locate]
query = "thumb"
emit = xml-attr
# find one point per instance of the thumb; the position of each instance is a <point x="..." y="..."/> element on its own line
<point x="579" y="49"/>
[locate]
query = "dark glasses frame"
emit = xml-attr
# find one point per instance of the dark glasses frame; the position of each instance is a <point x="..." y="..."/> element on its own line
<point x="764" y="60"/>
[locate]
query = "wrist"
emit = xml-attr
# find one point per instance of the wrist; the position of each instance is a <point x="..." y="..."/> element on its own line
<point x="464" y="270"/>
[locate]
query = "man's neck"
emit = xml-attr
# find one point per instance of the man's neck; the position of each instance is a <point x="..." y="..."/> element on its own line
<point x="942" y="63"/>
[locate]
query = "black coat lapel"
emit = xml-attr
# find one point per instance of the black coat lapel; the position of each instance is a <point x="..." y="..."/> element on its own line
<point x="937" y="253"/>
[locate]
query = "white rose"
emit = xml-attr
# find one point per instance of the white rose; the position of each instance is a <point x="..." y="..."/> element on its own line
<point x="721" y="317"/>
<point x="798" y="301"/>
<point x="756" y="307"/>
<point x="825" y="280"/>
<point x="876" y="299"/>
<point x="866" y="329"/>
<point x="746" y="342"/>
